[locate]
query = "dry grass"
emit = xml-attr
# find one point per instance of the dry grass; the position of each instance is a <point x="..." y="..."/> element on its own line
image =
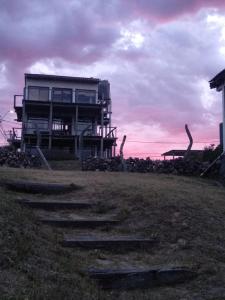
<point x="185" y="214"/>
<point x="69" y="165"/>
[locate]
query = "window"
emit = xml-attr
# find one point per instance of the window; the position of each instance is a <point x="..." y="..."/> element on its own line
<point x="36" y="93"/>
<point x="62" y="95"/>
<point x="34" y="124"/>
<point x="85" y="96"/>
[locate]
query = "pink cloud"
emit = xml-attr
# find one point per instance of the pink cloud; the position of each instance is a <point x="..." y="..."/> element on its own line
<point x="156" y="83"/>
<point x="164" y="11"/>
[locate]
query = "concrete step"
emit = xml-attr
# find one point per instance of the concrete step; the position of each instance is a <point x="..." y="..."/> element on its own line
<point x="79" y="223"/>
<point x="39" y="187"/>
<point x="109" y="243"/>
<point x="141" y="279"/>
<point x="55" y="204"/>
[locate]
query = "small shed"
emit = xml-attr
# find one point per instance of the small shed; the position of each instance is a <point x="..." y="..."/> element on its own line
<point x="180" y="153"/>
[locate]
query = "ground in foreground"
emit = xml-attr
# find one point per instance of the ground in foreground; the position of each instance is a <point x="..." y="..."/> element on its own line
<point x="186" y="215"/>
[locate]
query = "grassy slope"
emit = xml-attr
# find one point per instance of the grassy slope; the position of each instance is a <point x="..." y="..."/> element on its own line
<point x="186" y="214"/>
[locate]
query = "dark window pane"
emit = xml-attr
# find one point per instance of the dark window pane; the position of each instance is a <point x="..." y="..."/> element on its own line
<point x="38" y="93"/>
<point x="67" y="95"/>
<point x="57" y="95"/>
<point x="43" y="94"/>
<point x="83" y="99"/>
<point x="33" y="94"/>
<point x="62" y="95"/>
<point x="86" y="96"/>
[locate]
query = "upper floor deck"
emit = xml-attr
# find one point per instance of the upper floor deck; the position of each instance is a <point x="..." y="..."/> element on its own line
<point x="63" y="92"/>
<point x="64" y="89"/>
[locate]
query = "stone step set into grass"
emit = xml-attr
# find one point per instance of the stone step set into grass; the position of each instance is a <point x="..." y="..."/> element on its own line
<point x="109" y="279"/>
<point x="130" y="279"/>
<point x="116" y="243"/>
<point x="54" y="204"/>
<point x="80" y="223"/>
<point x="39" y="187"/>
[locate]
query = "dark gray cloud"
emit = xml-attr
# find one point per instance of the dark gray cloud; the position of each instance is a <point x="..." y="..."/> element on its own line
<point x="158" y="81"/>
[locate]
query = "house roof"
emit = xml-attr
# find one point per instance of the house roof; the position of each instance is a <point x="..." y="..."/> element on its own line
<point x="218" y="80"/>
<point x="181" y="152"/>
<point x="62" y="78"/>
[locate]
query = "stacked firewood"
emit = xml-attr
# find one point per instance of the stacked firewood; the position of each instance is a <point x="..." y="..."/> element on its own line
<point x="12" y="158"/>
<point x="177" y="166"/>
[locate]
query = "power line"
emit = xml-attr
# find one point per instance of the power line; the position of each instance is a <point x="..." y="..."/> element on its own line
<point x="136" y="154"/>
<point x="156" y="153"/>
<point x="171" y="142"/>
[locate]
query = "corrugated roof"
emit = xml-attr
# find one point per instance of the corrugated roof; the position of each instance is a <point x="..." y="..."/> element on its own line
<point x="180" y="152"/>
<point x="62" y="78"/>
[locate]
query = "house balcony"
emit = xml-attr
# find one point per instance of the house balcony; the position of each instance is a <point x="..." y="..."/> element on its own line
<point x="60" y="109"/>
<point x="60" y="96"/>
<point x="67" y="131"/>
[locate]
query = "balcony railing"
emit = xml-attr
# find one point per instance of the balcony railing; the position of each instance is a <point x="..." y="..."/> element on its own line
<point x="18" y="99"/>
<point x="66" y="130"/>
<point x="34" y="128"/>
<point x="107" y="131"/>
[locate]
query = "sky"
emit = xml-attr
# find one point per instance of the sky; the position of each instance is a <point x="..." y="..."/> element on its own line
<point x="157" y="54"/>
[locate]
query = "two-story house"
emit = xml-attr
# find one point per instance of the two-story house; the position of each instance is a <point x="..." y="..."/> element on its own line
<point x="67" y="117"/>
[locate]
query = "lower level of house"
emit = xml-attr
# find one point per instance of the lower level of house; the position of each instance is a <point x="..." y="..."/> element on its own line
<point x="71" y="147"/>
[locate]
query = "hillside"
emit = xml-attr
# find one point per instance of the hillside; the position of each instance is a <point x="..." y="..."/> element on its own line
<point x="186" y="216"/>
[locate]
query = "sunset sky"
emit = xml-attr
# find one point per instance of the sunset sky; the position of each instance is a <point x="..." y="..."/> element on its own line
<point x="157" y="54"/>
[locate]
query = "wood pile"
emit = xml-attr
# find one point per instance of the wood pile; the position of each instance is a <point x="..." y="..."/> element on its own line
<point x="12" y="158"/>
<point x="177" y="166"/>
